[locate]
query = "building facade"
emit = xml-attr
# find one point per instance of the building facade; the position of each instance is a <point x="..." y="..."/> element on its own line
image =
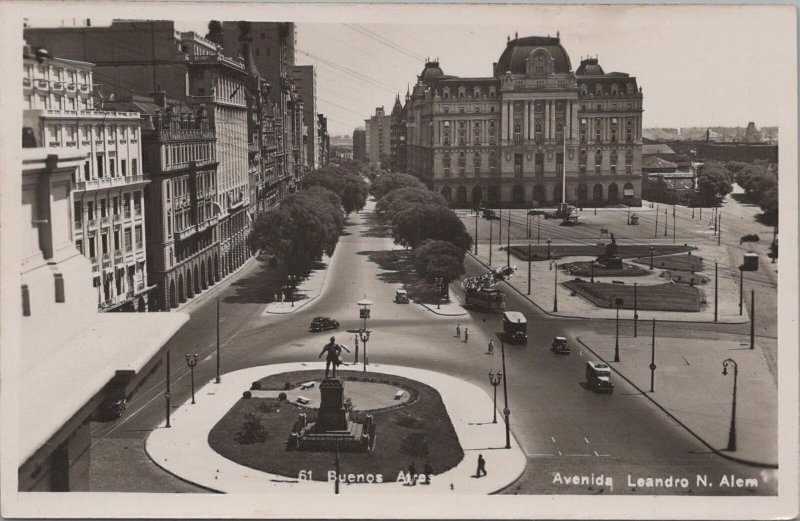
<point x="324" y="140"/>
<point x="378" y="136"/>
<point x="305" y="81"/>
<point x="108" y="191"/>
<point x="535" y="133"/>
<point x="398" y="150"/>
<point x="360" y="144"/>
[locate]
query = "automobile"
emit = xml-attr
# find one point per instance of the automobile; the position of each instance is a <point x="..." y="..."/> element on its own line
<point x="323" y="324"/>
<point x="598" y="377"/>
<point x="489" y="214"/>
<point x="111" y="409"/>
<point x="515" y="327"/>
<point x="560" y="346"/>
<point x="401" y="296"/>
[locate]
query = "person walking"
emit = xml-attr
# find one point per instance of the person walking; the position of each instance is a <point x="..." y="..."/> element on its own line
<point x="481" y="466"/>
<point x="466" y="334"/>
<point x="458" y="331"/>
<point x="491" y="347"/>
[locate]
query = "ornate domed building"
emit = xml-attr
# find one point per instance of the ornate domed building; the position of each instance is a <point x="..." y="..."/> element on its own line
<point x="534" y="133"/>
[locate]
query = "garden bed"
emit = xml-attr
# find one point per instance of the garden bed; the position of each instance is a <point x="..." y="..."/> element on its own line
<point x="584" y="269"/>
<point x="661" y="297"/>
<point x="673" y="262"/>
<point x="557" y="251"/>
<point x="417" y="431"/>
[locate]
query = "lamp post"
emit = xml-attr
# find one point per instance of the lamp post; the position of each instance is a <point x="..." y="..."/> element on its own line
<point x="616" y="301"/>
<point x="732" y="430"/>
<point x="653" y="358"/>
<point x="490" y="240"/>
<point x="292" y="283"/>
<point x="477" y="211"/>
<point x="651" y="257"/>
<point x="555" y="289"/>
<point x="506" y="410"/>
<point x="438" y="282"/>
<point x="548" y="247"/>
<point x="191" y="361"/>
<point x="364" y="332"/>
<point x="538" y="228"/>
<point x="508" y="240"/>
<point x="218" y="361"/>
<point x="592" y="268"/>
<point x="494" y="379"/>
<point x="168" y="395"/>
<point x="529" y="268"/>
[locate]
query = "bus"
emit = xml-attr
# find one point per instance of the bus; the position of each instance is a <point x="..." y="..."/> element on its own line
<point x="515" y="328"/>
<point x="487" y="299"/>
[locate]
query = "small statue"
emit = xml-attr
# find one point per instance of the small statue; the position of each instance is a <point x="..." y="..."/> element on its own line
<point x="611" y="249"/>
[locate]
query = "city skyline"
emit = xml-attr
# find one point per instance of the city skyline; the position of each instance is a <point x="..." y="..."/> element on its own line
<point x="367" y="64"/>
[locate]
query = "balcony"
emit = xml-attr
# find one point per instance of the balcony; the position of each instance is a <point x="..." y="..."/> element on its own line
<point x="106" y="219"/>
<point x="42" y="85"/>
<point x="58" y="86"/>
<point x="182" y="234"/>
<point x="109" y="182"/>
<point x="94" y="259"/>
<point x="26" y="82"/>
<point x="90" y="114"/>
<point x="184" y="134"/>
<point x="85" y="88"/>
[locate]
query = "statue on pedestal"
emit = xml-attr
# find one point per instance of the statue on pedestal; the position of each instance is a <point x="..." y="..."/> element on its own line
<point x="334" y="357"/>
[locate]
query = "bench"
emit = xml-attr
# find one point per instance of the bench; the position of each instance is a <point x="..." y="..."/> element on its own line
<point x="617" y="282"/>
<point x="399" y="394"/>
<point x="303" y="400"/>
<point x="307" y="385"/>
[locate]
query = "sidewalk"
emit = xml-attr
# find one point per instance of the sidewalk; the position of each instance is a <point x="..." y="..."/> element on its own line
<point x="543" y="280"/>
<point x="690" y="386"/>
<point x="183" y="449"/>
<point x="308" y="290"/>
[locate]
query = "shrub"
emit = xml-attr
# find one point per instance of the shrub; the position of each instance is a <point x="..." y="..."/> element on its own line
<point x="414" y="444"/>
<point x="282" y="397"/>
<point x="253" y="430"/>
<point x="408" y="421"/>
<point x="267" y="407"/>
<point x="247" y="395"/>
<point x="255" y="386"/>
<point x="287" y="385"/>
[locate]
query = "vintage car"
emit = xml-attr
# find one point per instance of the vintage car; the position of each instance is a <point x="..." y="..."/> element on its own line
<point x="515" y="328"/>
<point x="323" y="324"/>
<point x="560" y="346"/>
<point x="598" y="377"/>
<point x="401" y="296"/>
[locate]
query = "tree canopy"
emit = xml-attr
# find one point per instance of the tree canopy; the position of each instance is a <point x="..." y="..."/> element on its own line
<point x="419" y="221"/>
<point x="713" y="184"/>
<point x="385" y="183"/>
<point x="347" y="184"/>
<point x="399" y="198"/>
<point x="433" y="259"/>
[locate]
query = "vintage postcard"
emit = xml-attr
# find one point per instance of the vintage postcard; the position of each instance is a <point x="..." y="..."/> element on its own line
<point x="399" y="261"/>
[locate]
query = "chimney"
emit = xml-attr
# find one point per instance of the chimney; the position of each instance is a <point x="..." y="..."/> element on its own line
<point x="159" y="98"/>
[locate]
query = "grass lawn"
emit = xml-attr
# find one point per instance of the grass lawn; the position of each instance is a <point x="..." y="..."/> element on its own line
<point x="584" y="269"/>
<point x="539" y="252"/>
<point x="417" y="431"/>
<point x="674" y="262"/>
<point x="662" y="297"/>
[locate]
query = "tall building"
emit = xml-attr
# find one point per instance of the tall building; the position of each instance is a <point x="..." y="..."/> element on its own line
<point x="378" y="136"/>
<point x="80" y="364"/>
<point x="398" y="132"/>
<point x="140" y="57"/>
<point x="514" y="138"/>
<point x="305" y="81"/>
<point x="108" y="190"/>
<point x="324" y="140"/>
<point x="360" y="144"/>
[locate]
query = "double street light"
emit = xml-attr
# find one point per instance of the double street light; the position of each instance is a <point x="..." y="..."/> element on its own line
<point x="616" y="301"/>
<point x="291" y="283"/>
<point x="364" y="333"/>
<point x="495" y="379"/>
<point x="439" y="281"/>
<point x="506" y="410"/>
<point x="732" y="430"/>
<point x="191" y="361"/>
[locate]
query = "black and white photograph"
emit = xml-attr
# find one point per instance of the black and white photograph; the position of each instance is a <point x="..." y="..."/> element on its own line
<point x="398" y="261"/>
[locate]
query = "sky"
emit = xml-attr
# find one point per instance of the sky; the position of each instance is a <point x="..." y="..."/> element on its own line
<point x="697" y="65"/>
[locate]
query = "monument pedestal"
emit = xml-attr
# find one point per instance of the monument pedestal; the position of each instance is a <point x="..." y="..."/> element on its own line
<point x="333" y="430"/>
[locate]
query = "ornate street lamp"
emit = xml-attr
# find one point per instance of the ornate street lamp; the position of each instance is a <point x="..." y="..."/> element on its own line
<point x="494" y="379"/>
<point x="438" y="281"/>
<point x="292" y="284"/>
<point x="732" y="430"/>
<point x="191" y="361"/>
<point x="616" y="301"/>
<point x="651" y="257"/>
<point x="506" y="410"/>
<point x="364" y="333"/>
<point x="548" y="247"/>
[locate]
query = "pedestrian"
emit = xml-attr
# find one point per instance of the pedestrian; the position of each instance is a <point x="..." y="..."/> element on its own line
<point x="491" y="347"/>
<point x="458" y="331"/>
<point x="466" y="334"/>
<point x="412" y="471"/>
<point x="481" y="466"/>
<point x="428" y="473"/>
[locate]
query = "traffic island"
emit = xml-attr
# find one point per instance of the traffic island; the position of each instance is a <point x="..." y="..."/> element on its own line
<point x="463" y="409"/>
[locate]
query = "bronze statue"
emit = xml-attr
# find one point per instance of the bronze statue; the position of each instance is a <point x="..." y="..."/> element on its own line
<point x="334" y="351"/>
<point x="611" y="248"/>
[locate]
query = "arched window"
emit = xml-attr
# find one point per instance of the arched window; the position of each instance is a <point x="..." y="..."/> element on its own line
<point x="629" y="88"/>
<point x="614" y="89"/>
<point x="598" y="89"/>
<point x="614" y="157"/>
<point x="518" y="194"/>
<point x="584" y="90"/>
<point x="461" y="195"/>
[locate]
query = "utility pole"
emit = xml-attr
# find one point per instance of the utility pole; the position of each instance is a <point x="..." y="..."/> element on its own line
<point x="508" y="241"/>
<point x="719" y="228"/>
<point x="716" y="291"/>
<point x="665" y="222"/>
<point x="490" y="241"/>
<point x="168" y="395"/>
<point x="555" y="289"/>
<point x="653" y="358"/>
<point x="476" y="231"/>
<point x="741" y="289"/>
<point x="529" y="268"/>
<point x="673" y="225"/>
<point x="635" y="311"/>
<point x="538" y="228"/>
<point x="218" y="378"/>
<point x="655" y="234"/>
<point x="752" y="319"/>
<point x="500" y="231"/>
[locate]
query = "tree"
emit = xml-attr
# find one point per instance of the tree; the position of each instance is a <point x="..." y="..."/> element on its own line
<point x="304" y="226"/>
<point x="399" y="198"/>
<point x="438" y="259"/>
<point x="769" y="205"/>
<point x="348" y="185"/>
<point x="713" y="185"/>
<point x="418" y="222"/>
<point x="385" y="183"/>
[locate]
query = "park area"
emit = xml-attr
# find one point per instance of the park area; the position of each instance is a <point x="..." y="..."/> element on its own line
<point x="539" y="252"/>
<point x="661" y="297"/>
<point x="255" y="431"/>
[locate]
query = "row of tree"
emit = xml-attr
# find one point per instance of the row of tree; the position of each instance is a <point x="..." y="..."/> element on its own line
<point x="308" y="223"/>
<point x="421" y="220"/>
<point x="760" y="183"/>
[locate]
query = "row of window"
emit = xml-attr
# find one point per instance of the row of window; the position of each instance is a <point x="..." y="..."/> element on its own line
<point x="476" y="92"/>
<point x="53" y="73"/>
<point x="600" y="90"/>
<point x="68" y="135"/>
<point x="118" y="240"/>
<point x="105" y="207"/>
<point x="56" y="101"/>
<point x="112" y="162"/>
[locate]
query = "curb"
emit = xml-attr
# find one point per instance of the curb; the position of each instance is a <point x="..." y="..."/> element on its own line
<point x="665" y="411"/>
<point x="431" y="308"/>
<point x="578" y="317"/>
<point x="308" y="300"/>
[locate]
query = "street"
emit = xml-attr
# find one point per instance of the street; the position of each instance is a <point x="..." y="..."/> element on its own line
<point x="563" y="428"/>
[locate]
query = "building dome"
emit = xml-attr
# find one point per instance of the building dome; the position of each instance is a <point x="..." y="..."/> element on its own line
<point x="518" y="50"/>
<point x="431" y="72"/>
<point x="589" y="67"/>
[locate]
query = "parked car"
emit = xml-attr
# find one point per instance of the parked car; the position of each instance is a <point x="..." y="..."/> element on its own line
<point x="489" y="214"/>
<point x="401" y="296"/>
<point x="323" y="324"/>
